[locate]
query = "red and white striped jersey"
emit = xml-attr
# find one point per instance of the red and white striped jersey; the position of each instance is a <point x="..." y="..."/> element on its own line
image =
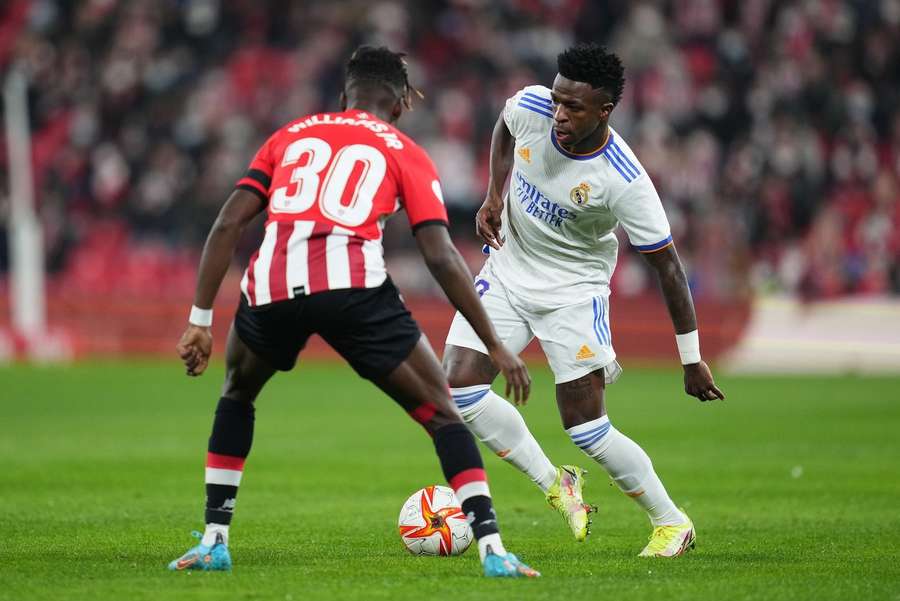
<point x="330" y="182"/>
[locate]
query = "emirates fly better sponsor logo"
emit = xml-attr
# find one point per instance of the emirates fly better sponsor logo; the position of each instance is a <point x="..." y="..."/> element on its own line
<point x="539" y="206"/>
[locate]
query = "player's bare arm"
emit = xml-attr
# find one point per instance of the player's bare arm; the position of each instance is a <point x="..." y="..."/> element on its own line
<point x="698" y="380"/>
<point x="242" y="206"/>
<point x="488" y="218"/>
<point x="451" y="272"/>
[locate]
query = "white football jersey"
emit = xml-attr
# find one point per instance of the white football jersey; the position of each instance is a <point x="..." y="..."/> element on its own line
<point x="562" y="209"/>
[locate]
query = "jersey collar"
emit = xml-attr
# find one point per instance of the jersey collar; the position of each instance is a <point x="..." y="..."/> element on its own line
<point x="580" y="157"/>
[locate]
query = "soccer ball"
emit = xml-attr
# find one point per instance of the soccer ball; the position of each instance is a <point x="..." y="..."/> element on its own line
<point x="432" y="523"/>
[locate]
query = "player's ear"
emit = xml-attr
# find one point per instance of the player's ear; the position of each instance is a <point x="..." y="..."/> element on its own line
<point x="397" y="110"/>
<point x="603" y="103"/>
<point x="606" y="109"/>
<point x="343" y="101"/>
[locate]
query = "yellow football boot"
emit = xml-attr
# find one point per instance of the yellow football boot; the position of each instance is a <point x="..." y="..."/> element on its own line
<point x="565" y="497"/>
<point x="670" y="541"/>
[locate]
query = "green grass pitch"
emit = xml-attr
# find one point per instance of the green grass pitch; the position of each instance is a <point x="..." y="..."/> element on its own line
<point x="793" y="484"/>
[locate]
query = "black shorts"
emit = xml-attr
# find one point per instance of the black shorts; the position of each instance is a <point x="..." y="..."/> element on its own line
<point x="369" y="327"/>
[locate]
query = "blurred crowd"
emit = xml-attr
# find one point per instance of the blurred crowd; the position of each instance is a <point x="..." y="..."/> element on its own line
<point x="771" y="129"/>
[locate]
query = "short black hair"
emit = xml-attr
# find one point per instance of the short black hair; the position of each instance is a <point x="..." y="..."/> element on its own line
<point x="380" y="67"/>
<point x="593" y="64"/>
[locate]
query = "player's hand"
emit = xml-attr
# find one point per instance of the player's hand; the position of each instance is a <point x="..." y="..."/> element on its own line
<point x="698" y="382"/>
<point x="518" y="380"/>
<point x="194" y="348"/>
<point x="488" y="221"/>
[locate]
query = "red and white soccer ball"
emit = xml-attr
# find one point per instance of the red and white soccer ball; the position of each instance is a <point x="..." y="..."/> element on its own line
<point x="432" y="523"/>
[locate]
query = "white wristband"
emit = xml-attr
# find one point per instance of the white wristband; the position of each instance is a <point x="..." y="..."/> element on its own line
<point x="688" y="347"/>
<point x="200" y="317"/>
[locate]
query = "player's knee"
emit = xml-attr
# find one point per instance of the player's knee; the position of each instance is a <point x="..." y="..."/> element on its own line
<point x="433" y="417"/>
<point x="444" y="417"/>
<point x="466" y="367"/>
<point x="580" y="400"/>
<point x="446" y="410"/>
<point x="437" y="413"/>
<point x="239" y="387"/>
<point x="453" y="368"/>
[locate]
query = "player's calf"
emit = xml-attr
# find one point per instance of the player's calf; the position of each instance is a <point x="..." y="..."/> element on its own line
<point x="418" y="385"/>
<point x="465" y="473"/>
<point x="229" y="445"/>
<point x="463" y="469"/>
<point x="501" y="428"/>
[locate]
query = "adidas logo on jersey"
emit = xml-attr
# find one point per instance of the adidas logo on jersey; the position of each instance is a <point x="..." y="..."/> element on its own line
<point x="584" y="353"/>
<point x="525" y="153"/>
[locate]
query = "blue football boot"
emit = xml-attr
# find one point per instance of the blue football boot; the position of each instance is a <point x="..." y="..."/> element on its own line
<point x="202" y="557"/>
<point x="506" y="566"/>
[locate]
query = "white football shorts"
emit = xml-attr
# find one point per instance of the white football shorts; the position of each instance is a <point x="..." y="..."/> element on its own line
<point x="576" y="338"/>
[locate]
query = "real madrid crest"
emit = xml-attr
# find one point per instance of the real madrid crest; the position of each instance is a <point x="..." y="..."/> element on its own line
<point x="580" y="193"/>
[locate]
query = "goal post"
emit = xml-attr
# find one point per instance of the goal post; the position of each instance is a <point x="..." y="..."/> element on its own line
<point x="26" y="248"/>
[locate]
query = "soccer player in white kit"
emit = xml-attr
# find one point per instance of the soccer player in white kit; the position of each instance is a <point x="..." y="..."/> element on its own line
<point x="553" y="252"/>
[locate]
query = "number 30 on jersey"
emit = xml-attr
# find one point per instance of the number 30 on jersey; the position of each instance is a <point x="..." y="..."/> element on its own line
<point x="331" y="191"/>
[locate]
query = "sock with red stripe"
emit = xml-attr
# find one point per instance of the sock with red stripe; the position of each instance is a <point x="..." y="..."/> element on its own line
<point x="464" y="471"/>
<point x="229" y="445"/>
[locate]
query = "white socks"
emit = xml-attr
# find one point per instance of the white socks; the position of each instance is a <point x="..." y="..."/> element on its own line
<point x="209" y="535"/>
<point x="492" y="540"/>
<point x="630" y="468"/>
<point x="496" y="423"/>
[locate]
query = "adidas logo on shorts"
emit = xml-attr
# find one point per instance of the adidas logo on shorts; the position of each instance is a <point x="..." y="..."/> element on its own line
<point x="585" y="353"/>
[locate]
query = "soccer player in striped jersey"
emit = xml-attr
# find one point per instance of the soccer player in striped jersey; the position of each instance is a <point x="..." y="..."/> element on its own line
<point x="552" y="254"/>
<point x="328" y="182"/>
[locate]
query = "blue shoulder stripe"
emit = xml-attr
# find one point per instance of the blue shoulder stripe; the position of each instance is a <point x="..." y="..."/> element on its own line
<point x="543" y="112"/>
<point x="536" y="104"/>
<point x="614" y="162"/>
<point x="537" y="98"/>
<point x="626" y="162"/>
<point x="622" y="164"/>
